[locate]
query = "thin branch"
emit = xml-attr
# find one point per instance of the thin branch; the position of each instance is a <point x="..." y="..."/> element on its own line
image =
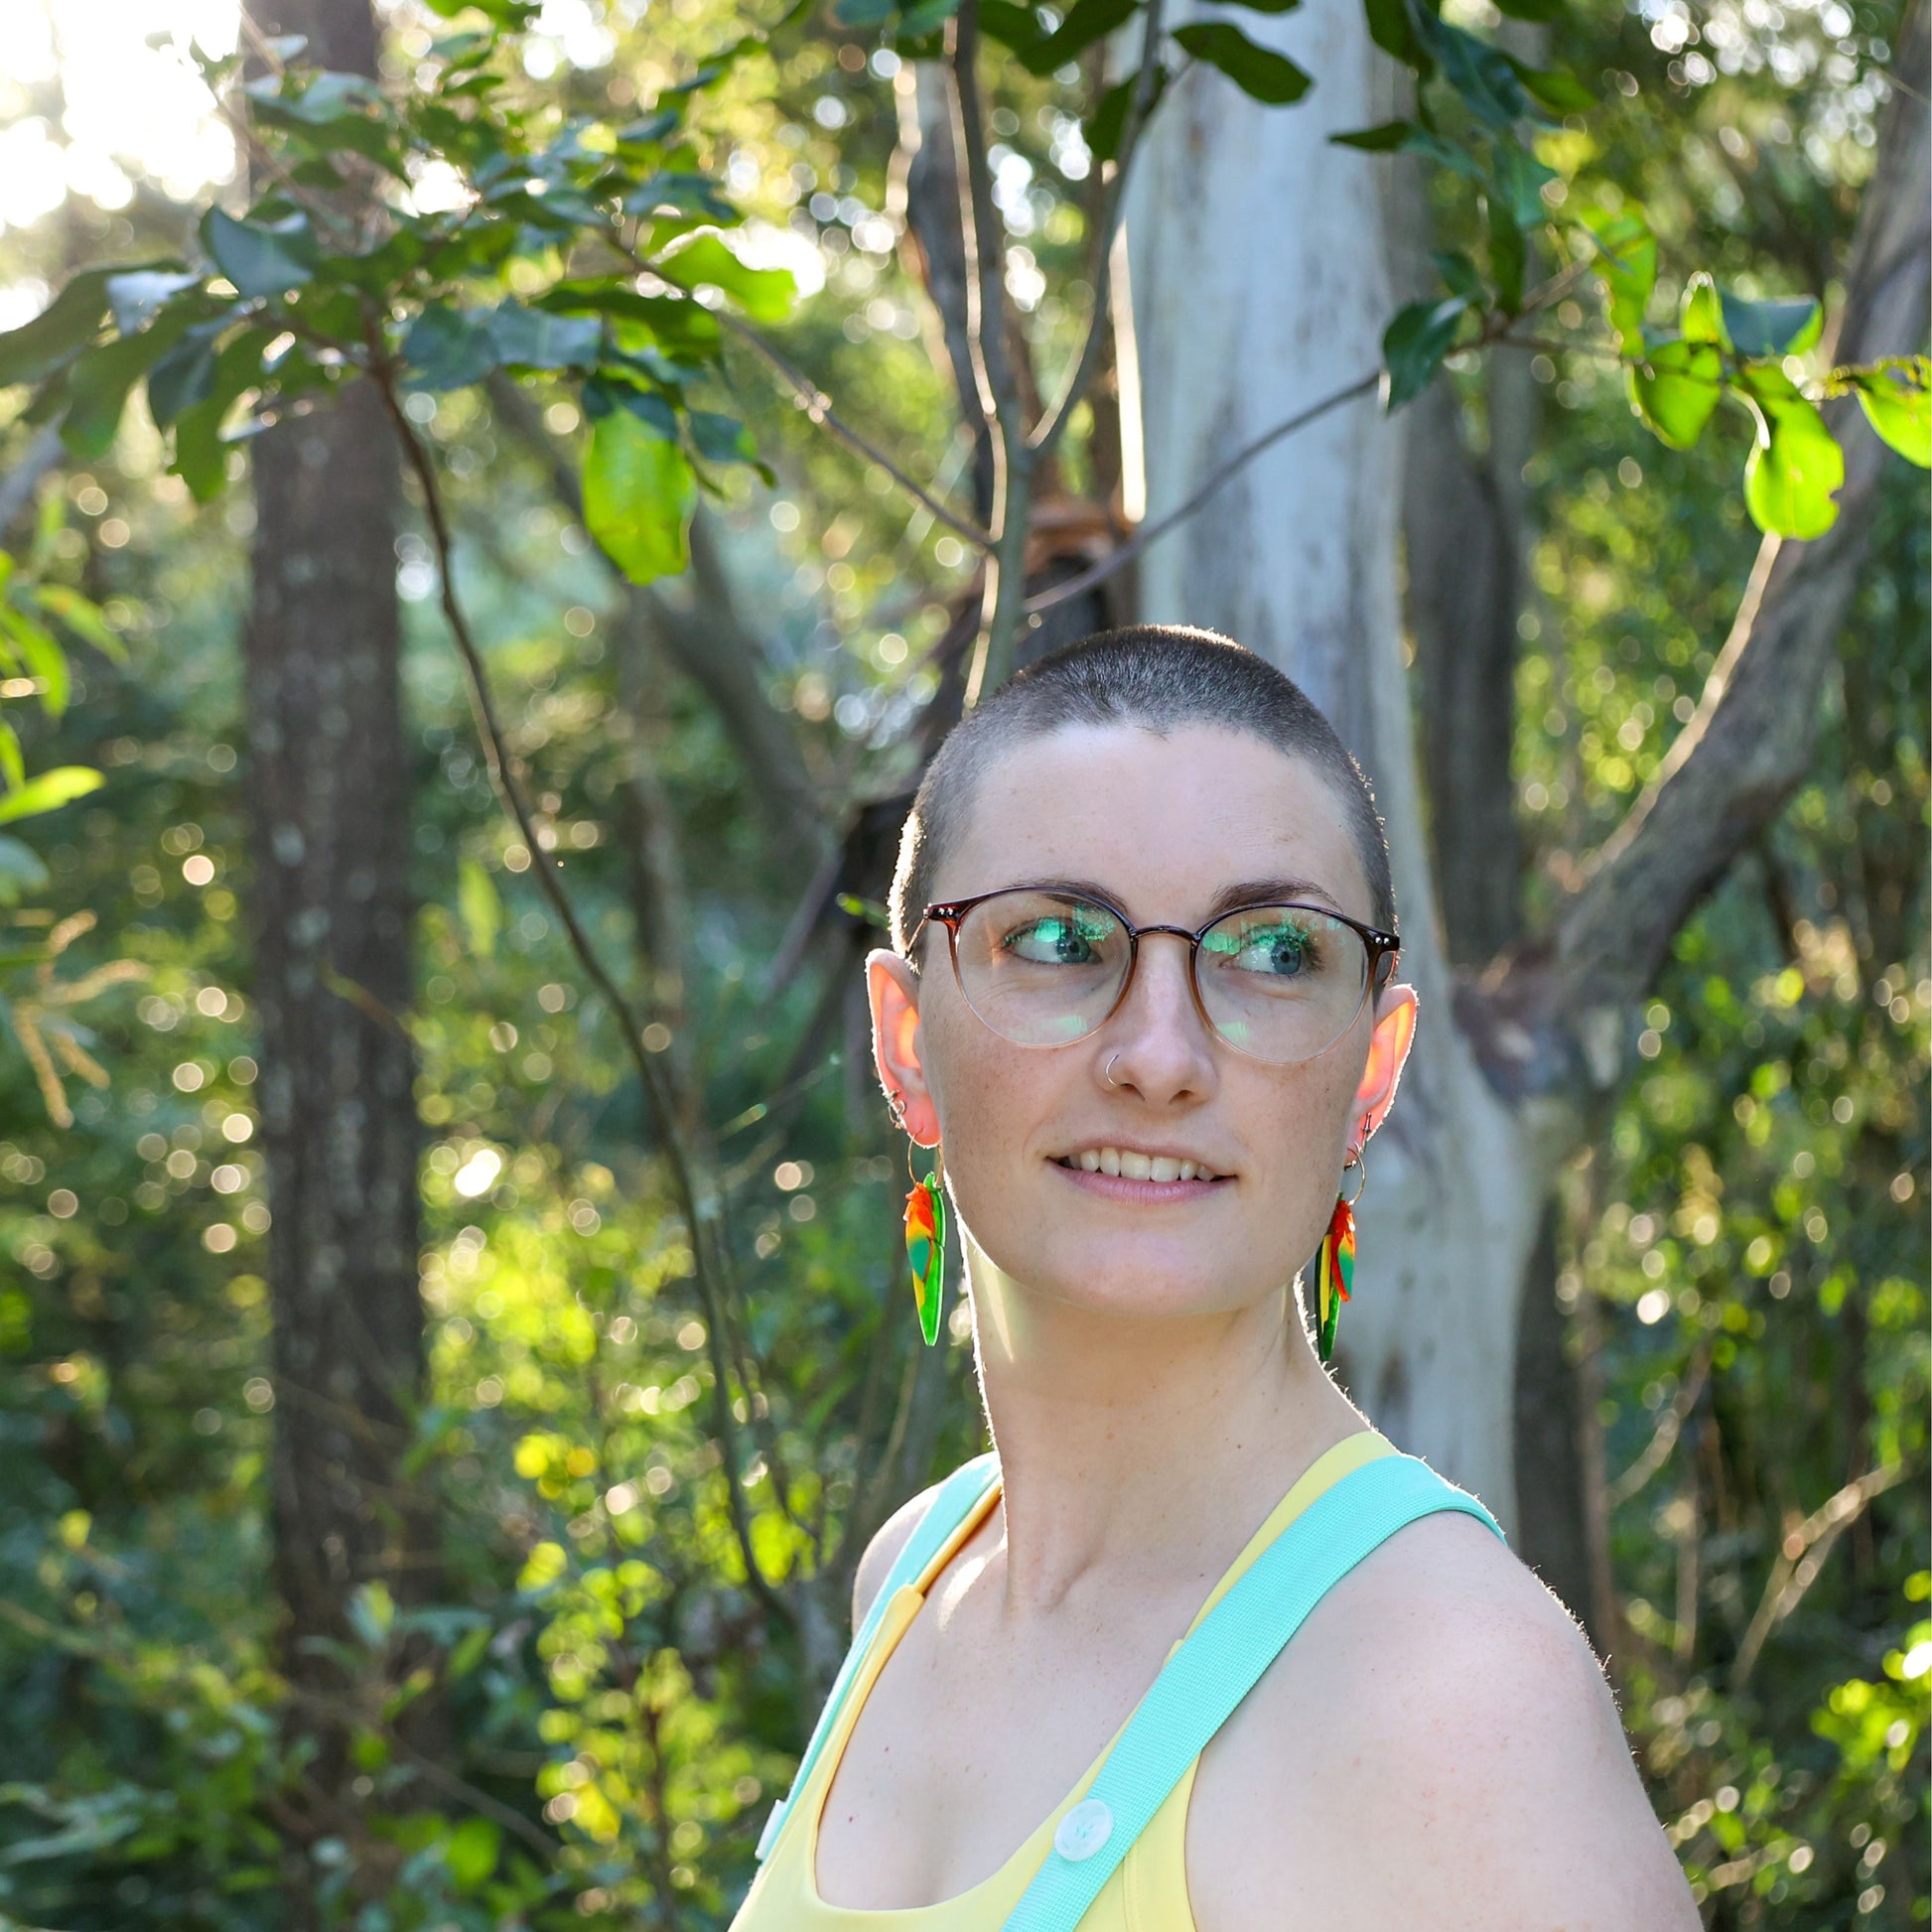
<point x="706" y="1247"/>
<point x="1150" y="533"/>
<point x="1005" y="593"/>
<point x="1046" y="437"/>
<point x="817" y="406"/>
<point x="1801" y="1557"/>
<point x="1657" y="1450"/>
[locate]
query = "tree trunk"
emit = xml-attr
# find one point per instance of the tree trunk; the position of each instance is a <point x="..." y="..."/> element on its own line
<point x="1252" y="302"/>
<point x="328" y="796"/>
<point x="1263" y="280"/>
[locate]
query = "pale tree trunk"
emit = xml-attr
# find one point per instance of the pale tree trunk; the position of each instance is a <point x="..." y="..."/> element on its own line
<point x="1262" y="282"/>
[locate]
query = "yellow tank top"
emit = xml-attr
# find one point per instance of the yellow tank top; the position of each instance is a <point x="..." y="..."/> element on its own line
<point x="1148" y="1893"/>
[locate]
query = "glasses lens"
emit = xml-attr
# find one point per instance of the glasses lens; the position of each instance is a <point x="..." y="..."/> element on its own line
<point x="1041" y="968"/>
<point x="1282" y="982"/>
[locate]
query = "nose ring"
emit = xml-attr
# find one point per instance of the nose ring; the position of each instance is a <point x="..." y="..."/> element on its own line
<point x="1108" y="1069"/>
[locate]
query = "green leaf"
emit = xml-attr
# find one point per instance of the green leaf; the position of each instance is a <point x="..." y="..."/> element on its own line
<point x="1778" y="328"/>
<point x="136" y="293"/>
<point x="535" y="339"/>
<point x="1087" y="22"/>
<point x="200" y="457"/>
<point x="1556" y="88"/>
<point x="1483" y="75"/>
<point x="66" y="326"/>
<point x="1414" y="345"/>
<point x="1795" y="464"/>
<point x="13" y="767"/>
<point x="638" y="492"/>
<point x="99" y="381"/>
<point x="1530" y="9"/>
<point x="39" y="652"/>
<point x="1627" y="263"/>
<point x="21" y="871"/>
<point x="1258" y="71"/>
<point x="1265" y="6"/>
<point x="765" y="294"/>
<point x="1109" y="118"/>
<point x="603" y="394"/>
<point x="185" y="376"/>
<point x="1446" y="154"/>
<point x="1520" y="179"/>
<point x="1459" y="275"/>
<point x="449" y="349"/>
<point x="721" y="439"/>
<point x="480" y="908"/>
<point x="1676" y="387"/>
<point x="1508" y="257"/>
<point x="1392" y="30"/>
<point x="1897" y="402"/>
<point x="49" y="791"/>
<point x="268" y="259"/>
<point x="81" y="616"/>
<point x="1701" y="318"/>
<point x="1386" y="137"/>
<point x="471" y="1851"/>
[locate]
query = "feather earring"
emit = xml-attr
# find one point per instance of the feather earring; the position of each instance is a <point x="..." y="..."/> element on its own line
<point x="1335" y="1275"/>
<point x="925" y="1251"/>
<point x="1334" y="1268"/>
<point x="925" y="1233"/>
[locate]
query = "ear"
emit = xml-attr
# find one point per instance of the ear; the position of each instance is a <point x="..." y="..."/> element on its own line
<point x="893" y="987"/>
<point x="1388" y="1052"/>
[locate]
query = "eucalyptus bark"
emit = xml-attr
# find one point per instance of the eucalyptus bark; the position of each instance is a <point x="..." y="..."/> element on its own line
<point x="1262" y="278"/>
<point x="328" y="793"/>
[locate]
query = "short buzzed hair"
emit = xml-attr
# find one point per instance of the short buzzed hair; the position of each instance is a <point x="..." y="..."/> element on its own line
<point x="1158" y="677"/>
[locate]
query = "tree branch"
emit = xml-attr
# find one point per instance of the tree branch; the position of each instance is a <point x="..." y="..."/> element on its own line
<point x="817" y="406"/>
<point x="698" y="1205"/>
<point x="986" y="325"/>
<point x="1046" y="439"/>
<point x="1749" y="745"/>
<point x="1150" y="533"/>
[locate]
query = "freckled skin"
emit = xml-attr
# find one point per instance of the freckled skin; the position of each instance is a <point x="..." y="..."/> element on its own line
<point x="1436" y="1750"/>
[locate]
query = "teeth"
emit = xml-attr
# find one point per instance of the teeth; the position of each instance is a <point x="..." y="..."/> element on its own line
<point x="1139" y="1166"/>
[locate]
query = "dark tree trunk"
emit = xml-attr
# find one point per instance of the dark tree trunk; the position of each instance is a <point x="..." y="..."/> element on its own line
<point x="328" y="795"/>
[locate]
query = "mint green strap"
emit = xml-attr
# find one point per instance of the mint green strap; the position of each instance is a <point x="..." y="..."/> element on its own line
<point x="953" y="1503"/>
<point x="1217" y="1666"/>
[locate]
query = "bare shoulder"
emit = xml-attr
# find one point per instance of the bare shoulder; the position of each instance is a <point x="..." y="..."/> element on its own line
<point x="1444" y="1753"/>
<point x="883" y="1550"/>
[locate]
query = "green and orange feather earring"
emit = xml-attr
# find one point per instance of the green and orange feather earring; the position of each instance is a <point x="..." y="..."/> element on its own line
<point x="925" y="1237"/>
<point x="1334" y="1268"/>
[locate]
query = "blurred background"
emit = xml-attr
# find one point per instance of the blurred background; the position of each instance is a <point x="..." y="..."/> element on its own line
<point x="402" y="1525"/>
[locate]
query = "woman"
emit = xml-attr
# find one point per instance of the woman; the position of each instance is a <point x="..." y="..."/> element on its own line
<point x="1143" y="1009"/>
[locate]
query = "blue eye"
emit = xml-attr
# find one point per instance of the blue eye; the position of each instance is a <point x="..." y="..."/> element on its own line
<point x="1277" y="948"/>
<point x="1060" y="942"/>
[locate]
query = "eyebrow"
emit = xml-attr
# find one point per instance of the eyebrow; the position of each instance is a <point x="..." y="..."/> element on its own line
<point x="1247" y="892"/>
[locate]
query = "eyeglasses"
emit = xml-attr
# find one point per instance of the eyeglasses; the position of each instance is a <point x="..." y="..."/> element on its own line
<point x="1043" y="967"/>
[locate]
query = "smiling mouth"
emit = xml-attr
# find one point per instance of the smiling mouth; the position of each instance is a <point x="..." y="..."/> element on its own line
<point x="1132" y="1166"/>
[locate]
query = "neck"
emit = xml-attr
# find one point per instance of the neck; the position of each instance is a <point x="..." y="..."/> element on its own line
<point x="1155" y="1446"/>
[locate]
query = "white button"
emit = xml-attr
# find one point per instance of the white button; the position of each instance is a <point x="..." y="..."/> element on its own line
<point x="1085" y="1829"/>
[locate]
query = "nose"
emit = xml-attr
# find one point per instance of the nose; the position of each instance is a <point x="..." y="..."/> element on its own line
<point x="1157" y="1040"/>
